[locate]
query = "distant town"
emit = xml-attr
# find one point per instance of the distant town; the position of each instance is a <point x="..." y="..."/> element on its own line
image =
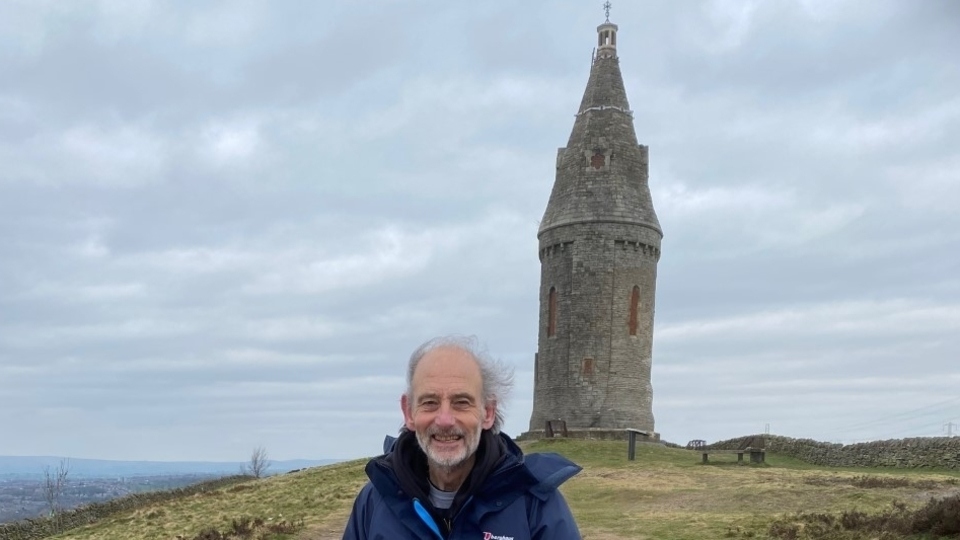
<point x="25" y="498"/>
<point x="22" y="480"/>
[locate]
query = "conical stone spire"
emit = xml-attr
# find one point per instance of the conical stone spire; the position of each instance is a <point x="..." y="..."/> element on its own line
<point x="602" y="172"/>
<point x="599" y="247"/>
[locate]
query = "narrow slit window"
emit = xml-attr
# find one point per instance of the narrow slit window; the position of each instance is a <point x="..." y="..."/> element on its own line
<point x="552" y="313"/>
<point x="634" y="306"/>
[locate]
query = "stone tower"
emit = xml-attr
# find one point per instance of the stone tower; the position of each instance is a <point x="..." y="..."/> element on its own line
<point x="599" y="247"/>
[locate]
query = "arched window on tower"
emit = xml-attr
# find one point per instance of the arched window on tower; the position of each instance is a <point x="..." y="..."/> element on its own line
<point x="634" y="306"/>
<point x="552" y="312"/>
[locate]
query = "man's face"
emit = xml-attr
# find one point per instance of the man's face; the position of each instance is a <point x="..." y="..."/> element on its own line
<point x="445" y="408"/>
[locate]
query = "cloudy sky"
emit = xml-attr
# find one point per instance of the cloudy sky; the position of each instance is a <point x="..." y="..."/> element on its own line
<point x="227" y="224"/>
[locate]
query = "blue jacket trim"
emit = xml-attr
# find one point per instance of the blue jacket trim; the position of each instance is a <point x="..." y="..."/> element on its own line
<point x="427" y="518"/>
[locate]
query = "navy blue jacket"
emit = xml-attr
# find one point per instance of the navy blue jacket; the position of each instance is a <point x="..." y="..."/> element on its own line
<point x="518" y="500"/>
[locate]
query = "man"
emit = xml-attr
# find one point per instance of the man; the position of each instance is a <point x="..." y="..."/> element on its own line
<point x="451" y="474"/>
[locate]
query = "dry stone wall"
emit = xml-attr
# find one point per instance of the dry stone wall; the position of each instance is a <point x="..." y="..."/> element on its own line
<point x="938" y="452"/>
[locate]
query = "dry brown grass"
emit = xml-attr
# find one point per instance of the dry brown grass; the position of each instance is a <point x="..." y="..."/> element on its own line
<point x="318" y="497"/>
<point x="665" y="494"/>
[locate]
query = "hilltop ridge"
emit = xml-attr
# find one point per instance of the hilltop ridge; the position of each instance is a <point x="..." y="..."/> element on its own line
<point x="666" y="493"/>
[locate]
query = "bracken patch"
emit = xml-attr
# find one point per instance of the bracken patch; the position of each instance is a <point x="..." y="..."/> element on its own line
<point x="938" y="517"/>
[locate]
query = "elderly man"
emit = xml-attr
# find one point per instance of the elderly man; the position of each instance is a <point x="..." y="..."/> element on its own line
<point x="451" y="474"/>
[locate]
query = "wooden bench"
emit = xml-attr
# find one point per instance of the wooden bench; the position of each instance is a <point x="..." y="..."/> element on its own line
<point x="757" y="455"/>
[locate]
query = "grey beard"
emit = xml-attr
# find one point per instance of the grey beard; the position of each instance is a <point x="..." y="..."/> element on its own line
<point x="449" y="462"/>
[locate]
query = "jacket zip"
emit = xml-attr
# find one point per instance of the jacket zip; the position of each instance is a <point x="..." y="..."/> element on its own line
<point x="463" y="507"/>
<point x="425" y="517"/>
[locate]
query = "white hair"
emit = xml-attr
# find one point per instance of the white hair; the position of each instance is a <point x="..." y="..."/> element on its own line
<point x="496" y="376"/>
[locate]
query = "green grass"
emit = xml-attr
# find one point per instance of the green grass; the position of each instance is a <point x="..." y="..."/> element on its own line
<point x="666" y="494"/>
<point x="669" y="494"/>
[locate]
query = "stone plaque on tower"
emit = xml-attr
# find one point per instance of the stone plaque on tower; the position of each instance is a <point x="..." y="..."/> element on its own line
<point x="599" y="247"/>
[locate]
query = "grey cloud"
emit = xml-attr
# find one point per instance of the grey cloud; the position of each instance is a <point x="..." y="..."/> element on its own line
<point x="76" y="79"/>
<point x="335" y="62"/>
<point x="319" y="190"/>
<point x="783" y="51"/>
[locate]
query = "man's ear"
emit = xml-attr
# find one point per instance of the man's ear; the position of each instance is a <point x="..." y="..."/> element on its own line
<point x="489" y="413"/>
<point x="407" y="417"/>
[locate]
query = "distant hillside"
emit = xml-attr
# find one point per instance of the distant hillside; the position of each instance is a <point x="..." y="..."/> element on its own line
<point x="32" y="467"/>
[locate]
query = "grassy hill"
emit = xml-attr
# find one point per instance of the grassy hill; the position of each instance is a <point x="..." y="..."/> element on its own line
<point x="665" y="494"/>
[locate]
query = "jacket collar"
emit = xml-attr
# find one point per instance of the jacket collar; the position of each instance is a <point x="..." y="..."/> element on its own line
<point x="511" y="472"/>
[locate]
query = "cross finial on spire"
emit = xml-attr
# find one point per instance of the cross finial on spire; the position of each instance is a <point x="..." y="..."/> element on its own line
<point x="606" y="9"/>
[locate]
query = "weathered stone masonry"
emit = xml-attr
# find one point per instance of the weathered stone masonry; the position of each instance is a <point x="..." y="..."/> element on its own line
<point x="599" y="248"/>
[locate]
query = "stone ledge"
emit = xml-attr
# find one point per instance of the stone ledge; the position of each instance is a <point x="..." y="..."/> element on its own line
<point x="601" y="434"/>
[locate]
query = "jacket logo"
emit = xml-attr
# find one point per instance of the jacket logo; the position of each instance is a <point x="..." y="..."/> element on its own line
<point x="491" y="536"/>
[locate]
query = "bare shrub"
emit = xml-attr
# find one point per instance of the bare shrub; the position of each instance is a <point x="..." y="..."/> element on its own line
<point x="258" y="464"/>
<point x="54" y="482"/>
